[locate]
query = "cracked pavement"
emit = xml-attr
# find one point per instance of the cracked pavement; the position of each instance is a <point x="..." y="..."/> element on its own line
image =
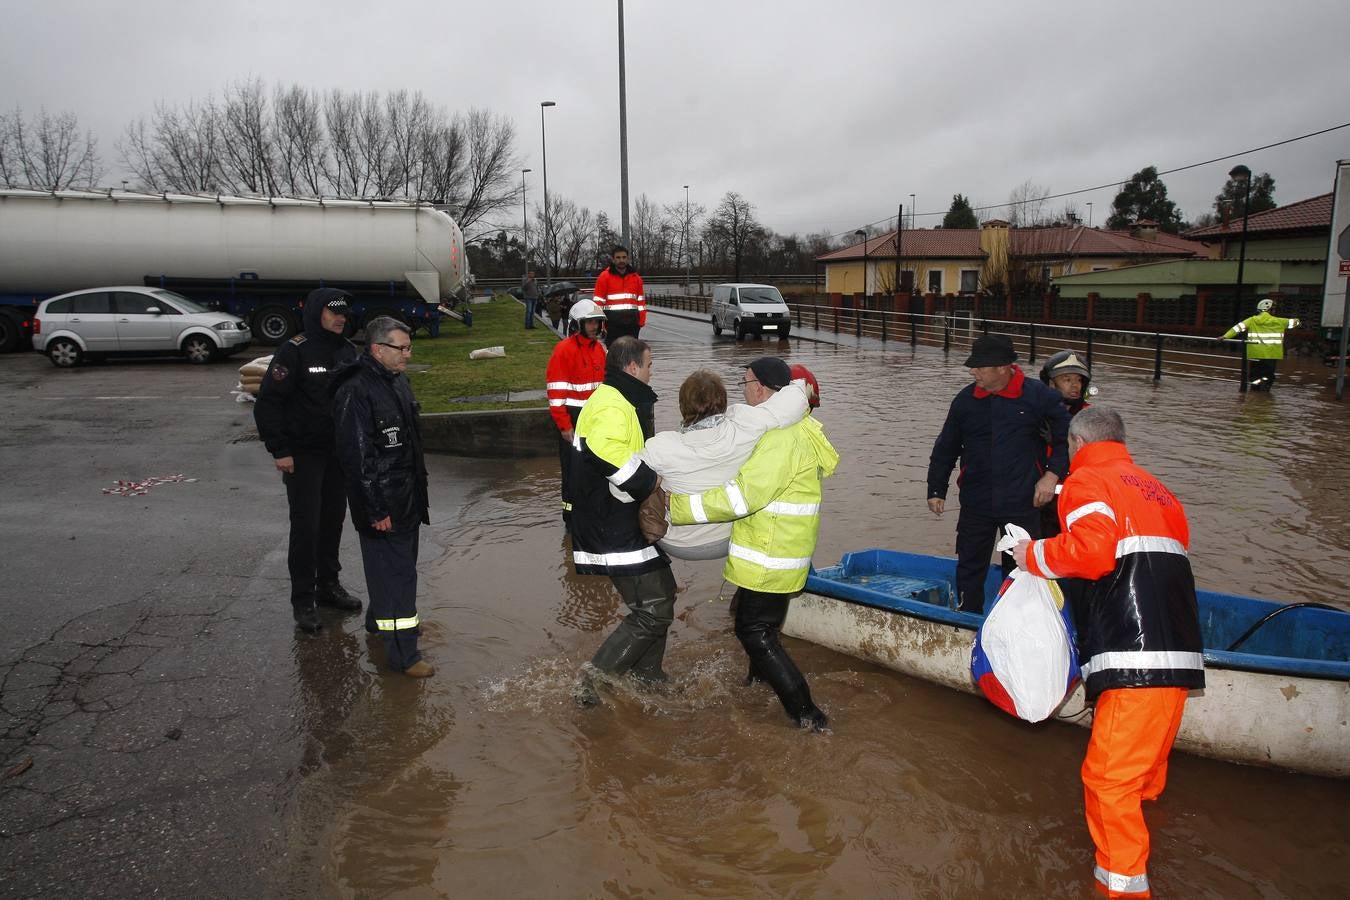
<point x="149" y="714"/>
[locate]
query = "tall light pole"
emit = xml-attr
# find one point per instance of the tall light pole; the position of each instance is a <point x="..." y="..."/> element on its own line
<point x="623" y="131"/>
<point x="525" y="218"/>
<point x="688" y="254"/>
<point x="1243" y="174"/>
<point x="863" y="235"/>
<point x="548" y="221"/>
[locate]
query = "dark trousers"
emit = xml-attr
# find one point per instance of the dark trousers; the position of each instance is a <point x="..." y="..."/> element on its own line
<point x="759" y="617"/>
<point x="531" y="306"/>
<point x="620" y="324"/>
<point x="565" y="475"/>
<point x="976" y="534"/>
<point x="318" y="502"/>
<point x="390" y="561"/>
<point x="639" y="643"/>
<point x="1262" y="373"/>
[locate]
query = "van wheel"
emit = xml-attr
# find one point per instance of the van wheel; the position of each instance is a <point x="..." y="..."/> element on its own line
<point x="273" y="324"/>
<point x="64" y="353"/>
<point x="199" y="349"/>
<point x="717" y="329"/>
<point x="738" y="330"/>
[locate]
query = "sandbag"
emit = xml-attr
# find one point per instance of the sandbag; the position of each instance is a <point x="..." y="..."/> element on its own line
<point x="1025" y="659"/>
<point x="488" y="353"/>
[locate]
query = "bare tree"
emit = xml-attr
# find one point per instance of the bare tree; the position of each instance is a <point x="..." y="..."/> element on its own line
<point x="491" y="167"/>
<point x="49" y="152"/>
<point x="730" y="228"/>
<point x="9" y="152"/>
<point x="176" y="150"/>
<point x="1027" y="205"/>
<point x="301" y="144"/>
<point x="248" y="148"/>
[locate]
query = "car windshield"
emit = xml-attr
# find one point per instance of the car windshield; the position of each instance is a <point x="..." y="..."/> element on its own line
<point x="183" y="303"/>
<point x="761" y="295"/>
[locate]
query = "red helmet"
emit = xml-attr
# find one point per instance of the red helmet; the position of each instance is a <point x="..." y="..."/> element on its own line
<point x="812" y="386"/>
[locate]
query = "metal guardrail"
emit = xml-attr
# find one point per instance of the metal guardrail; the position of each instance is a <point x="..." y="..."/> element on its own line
<point x="1143" y="351"/>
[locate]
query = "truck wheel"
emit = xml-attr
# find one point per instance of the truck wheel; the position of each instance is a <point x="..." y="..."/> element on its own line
<point x="717" y="329"/>
<point x="273" y="324"/>
<point x="64" y="353"/>
<point x="9" y="333"/>
<point x="199" y="349"/>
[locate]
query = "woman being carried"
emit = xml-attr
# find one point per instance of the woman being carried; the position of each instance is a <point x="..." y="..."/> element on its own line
<point x="711" y="445"/>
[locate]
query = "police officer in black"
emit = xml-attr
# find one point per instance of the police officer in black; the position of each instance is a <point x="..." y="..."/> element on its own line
<point x="295" y="420"/>
<point x="379" y="441"/>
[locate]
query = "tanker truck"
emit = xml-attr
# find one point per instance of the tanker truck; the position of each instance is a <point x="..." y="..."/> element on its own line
<point x="253" y="257"/>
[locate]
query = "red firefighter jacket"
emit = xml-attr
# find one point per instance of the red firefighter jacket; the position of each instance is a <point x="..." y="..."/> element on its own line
<point x="622" y="294"/>
<point x="1125" y="532"/>
<point x="575" y="370"/>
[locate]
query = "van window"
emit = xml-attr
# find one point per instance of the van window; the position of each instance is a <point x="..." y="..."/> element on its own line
<point x="91" y="304"/>
<point x="721" y="294"/>
<point x="760" y="295"/>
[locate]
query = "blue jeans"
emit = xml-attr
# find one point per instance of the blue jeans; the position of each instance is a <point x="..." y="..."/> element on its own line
<point x="531" y="306"/>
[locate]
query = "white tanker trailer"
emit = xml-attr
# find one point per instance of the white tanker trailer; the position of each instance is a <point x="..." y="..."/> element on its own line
<point x="253" y="257"/>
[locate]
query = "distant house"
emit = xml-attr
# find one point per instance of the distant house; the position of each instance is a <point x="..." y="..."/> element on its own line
<point x="994" y="258"/>
<point x="1285" y="258"/>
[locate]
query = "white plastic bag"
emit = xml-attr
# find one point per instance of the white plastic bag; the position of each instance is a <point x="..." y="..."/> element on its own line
<point x="1024" y="660"/>
<point x="488" y="353"/>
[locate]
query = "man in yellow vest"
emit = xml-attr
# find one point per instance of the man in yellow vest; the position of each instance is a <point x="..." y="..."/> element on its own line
<point x="773" y="504"/>
<point x="1265" y="343"/>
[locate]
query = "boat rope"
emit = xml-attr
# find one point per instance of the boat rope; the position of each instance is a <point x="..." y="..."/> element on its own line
<point x="1272" y="614"/>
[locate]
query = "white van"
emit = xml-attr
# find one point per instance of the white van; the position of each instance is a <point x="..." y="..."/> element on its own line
<point x="745" y="308"/>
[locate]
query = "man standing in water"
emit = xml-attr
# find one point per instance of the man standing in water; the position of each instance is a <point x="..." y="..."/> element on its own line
<point x="773" y="504"/>
<point x="1264" y="334"/>
<point x="608" y="482"/>
<point x="1125" y="532"/>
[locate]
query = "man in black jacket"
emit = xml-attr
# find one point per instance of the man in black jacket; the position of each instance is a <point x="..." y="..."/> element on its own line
<point x="295" y="420"/>
<point x="997" y="427"/>
<point x="379" y="442"/>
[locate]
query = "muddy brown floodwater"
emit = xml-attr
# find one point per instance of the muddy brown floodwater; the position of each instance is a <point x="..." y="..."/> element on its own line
<point x="486" y="781"/>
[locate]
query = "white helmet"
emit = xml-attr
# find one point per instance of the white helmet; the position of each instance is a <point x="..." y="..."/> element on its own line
<point x="1265" y="304"/>
<point x="585" y="309"/>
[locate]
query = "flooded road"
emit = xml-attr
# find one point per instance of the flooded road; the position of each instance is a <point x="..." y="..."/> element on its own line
<point x="487" y="781"/>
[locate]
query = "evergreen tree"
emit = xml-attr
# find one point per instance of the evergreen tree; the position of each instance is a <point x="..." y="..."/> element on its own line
<point x="1228" y="202"/>
<point x="960" y="215"/>
<point x="1144" y="197"/>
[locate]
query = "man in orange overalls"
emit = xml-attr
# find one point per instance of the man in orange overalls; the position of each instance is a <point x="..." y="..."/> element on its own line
<point x="1125" y="532"/>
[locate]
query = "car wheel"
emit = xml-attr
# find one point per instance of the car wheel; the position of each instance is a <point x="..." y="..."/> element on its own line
<point x="199" y="349"/>
<point x="64" y="353"/>
<point x="717" y="329"/>
<point x="273" y="324"/>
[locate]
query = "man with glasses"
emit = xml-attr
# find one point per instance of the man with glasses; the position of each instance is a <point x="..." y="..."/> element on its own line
<point x="379" y="442"/>
<point x="294" y="414"/>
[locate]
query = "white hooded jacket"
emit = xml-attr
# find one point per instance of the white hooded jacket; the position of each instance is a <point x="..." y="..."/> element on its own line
<point x="709" y="453"/>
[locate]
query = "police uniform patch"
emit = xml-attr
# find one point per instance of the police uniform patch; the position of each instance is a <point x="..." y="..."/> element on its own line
<point x="298" y="340"/>
<point x="280" y="372"/>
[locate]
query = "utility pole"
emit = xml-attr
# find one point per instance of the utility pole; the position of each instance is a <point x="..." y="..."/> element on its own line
<point x="623" y="131"/>
<point x="899" y="233"/>
<point x="688" y="254"/>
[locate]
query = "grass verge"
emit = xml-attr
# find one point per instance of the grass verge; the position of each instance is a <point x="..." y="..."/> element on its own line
<point x="453" y="374"/>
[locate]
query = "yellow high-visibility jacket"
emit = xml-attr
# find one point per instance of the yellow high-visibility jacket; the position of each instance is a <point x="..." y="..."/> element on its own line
<point x="1265" y="335"/>
<point x="774" y="505"/>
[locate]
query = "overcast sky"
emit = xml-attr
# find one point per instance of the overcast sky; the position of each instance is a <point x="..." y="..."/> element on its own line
<point x="823" y="115"/>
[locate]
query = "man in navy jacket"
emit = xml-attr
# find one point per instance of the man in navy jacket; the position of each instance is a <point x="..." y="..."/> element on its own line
<point x="997" y="428"/>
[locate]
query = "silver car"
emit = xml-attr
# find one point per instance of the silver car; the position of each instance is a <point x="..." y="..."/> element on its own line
<point x="133" y="320"/>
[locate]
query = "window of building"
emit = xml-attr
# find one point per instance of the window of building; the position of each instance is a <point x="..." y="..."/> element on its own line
<point x="934" y="281"/>
<point x="970" y="281"/>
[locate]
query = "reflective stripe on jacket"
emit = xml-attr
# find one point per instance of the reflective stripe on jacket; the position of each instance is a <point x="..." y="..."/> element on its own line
<point x="609" y="479"/>
<point x="575" y="370"/>
<point x="624" y="294"/>
<point x="1265" y="335"/>
<point x="774" y="503"/>
<point x="1126" y="532"/>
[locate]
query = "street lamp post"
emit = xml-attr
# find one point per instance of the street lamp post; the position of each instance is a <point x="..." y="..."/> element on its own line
<point x="548" y="221"/>
<point x="860" y="233"/>
<point x="1243" y="174"/>
<point x="688" y="254"/>
<point x="623" y="130"/>
<point x="525" y="218"/>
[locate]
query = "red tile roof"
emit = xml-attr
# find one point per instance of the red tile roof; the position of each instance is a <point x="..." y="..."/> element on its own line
<point x="964" y="243"/>
<point x="1311" y="214"/>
